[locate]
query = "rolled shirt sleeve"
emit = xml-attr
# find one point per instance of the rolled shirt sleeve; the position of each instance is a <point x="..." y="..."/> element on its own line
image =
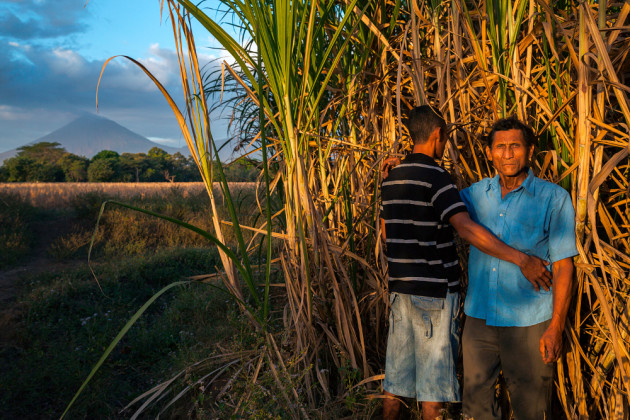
<point x="562" y="242"/>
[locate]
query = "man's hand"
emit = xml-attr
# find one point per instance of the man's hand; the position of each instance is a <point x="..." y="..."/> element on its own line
<point x="551" y="340"/>
<point x="388" y="165"/>
<point x="551" y="344"/>
<point x="533" y="268"/>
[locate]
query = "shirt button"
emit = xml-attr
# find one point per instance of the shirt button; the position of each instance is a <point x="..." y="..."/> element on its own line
<point x="501" y="214"/>
<point x="494" y="269"/>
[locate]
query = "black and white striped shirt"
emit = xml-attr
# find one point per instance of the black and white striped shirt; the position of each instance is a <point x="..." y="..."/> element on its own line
<point x="418" y="199"/>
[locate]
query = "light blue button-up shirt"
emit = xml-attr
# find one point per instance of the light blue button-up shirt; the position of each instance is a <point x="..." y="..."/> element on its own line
<point x="537" y="218"/>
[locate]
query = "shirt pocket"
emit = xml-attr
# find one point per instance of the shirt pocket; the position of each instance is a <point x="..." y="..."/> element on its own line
<point x="528" y="231"/>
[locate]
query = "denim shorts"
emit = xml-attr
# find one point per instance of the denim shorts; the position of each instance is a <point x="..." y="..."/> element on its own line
<point x="422" y="347"/>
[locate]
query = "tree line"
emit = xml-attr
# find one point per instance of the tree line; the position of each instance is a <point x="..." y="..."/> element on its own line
<point x="49" y="162"/>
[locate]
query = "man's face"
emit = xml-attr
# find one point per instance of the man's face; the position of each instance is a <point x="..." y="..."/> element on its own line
<point x="509" y="153"/>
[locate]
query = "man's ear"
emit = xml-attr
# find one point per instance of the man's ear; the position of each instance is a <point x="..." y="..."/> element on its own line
<point x="489" y="153"/>
<point x="443" y="134"/>
<point x="531" y="153"/>
<point x="435" y="134"/>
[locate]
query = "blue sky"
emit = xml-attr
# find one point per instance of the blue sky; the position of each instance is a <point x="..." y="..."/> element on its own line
<point x="51" y="54"/>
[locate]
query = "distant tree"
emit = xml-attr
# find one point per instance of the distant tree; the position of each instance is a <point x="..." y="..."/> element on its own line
<point x="241" y="170"/>
<point x="157" y="154"/>
<point x="133" y="167"/>
<point x="74" y="167"/>
<point x="158" y="170"/>
<point x="140" y="167"/>
<point x="102" y="170"/>
<point x="182" y="168"/>
<point x="35" y="163"/>
<point x="104" y="167"/>
<point x="25" y="169"/>
<point x="49" y="152"/>
<point x="19" y="169"/>
<point x="106" y="154"/>
<point x="45" y="172"/>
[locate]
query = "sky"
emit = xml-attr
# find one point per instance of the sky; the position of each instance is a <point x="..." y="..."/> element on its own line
<point x="51" y="55"/>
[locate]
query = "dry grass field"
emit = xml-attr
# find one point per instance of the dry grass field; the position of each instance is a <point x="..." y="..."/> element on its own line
<point x="60" y="194"/>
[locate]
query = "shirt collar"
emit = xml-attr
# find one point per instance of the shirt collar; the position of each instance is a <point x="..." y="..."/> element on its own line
<point x="421" y="158"/>
<point x="528" y="183"/>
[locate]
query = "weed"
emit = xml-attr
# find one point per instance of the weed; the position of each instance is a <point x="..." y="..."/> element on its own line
<point x="350" y="377"/>
<point x="66" y="323"/>
<point x="69" y="246"/>
<point x="16" y="237"/>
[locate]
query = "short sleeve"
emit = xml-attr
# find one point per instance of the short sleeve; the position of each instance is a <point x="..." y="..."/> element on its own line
<point x="562" y="228"/>
<point x="445" y="198"/>
<point x="466" y="196"/>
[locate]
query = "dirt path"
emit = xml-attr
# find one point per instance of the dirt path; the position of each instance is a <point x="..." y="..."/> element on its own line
<point x="8" y="280"/>
<point x="45" y="232"/>
<point x="11" y="278"/>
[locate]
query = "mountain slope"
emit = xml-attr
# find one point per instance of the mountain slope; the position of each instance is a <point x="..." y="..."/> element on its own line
<point x="89" y="134"/>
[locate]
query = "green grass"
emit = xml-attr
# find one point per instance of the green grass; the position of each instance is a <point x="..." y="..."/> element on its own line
<point x="123" y="232"/>
<point x="67" y="323"/>
<point x="62" y="322"/>
<point x="16" y="236"/>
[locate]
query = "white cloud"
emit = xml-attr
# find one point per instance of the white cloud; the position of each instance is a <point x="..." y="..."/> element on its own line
<point x="45" y="88"/>
<point x="168" y="141"/>
<point x="46" y="82"/>
<point x="10" y="113"/>
<point x="65" y="62"/>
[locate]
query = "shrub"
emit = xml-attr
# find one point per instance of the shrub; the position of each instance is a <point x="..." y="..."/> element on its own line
<point x="16" y="237"/>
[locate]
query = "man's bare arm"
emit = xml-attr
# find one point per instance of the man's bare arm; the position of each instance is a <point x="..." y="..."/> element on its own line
<point x="533" y="268"/>
<point x="551" y="340"/>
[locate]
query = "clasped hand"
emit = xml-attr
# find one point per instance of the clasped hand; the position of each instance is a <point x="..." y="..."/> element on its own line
<point x="535" y="270"/>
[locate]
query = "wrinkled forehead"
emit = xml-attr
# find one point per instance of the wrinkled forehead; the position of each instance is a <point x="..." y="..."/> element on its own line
<point x="512" y="136"/>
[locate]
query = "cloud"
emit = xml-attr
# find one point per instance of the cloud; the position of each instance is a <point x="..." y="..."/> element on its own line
<point x="45" y="88"/>
<point x="9" y="113"/>
<point x="38" y="19"/>
<point x="34" y="75"/>
<point x="167" y="142"/>
<point x="47" y="77"/>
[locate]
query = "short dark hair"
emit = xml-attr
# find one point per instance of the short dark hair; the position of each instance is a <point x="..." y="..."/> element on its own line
<point x="421" y="122"/>
<point x="512" y="123"/>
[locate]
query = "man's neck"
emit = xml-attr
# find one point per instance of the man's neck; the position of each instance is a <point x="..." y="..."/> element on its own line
<point x="425" y="149"/>
<point x="510" y="183"/>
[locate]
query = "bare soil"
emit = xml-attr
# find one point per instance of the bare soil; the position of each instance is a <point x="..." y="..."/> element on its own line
<point x="11" y="278"/>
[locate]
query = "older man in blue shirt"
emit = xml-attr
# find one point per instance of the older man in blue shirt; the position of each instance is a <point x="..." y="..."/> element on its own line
<point x="512" y="326"/>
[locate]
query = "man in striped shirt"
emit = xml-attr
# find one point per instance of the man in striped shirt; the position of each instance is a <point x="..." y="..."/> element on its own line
<point x="420" y="203"/>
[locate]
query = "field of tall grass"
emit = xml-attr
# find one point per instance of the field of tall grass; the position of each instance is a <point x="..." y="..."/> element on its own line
<point x="66" y="313"/>
<point x="60" y="194"/>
